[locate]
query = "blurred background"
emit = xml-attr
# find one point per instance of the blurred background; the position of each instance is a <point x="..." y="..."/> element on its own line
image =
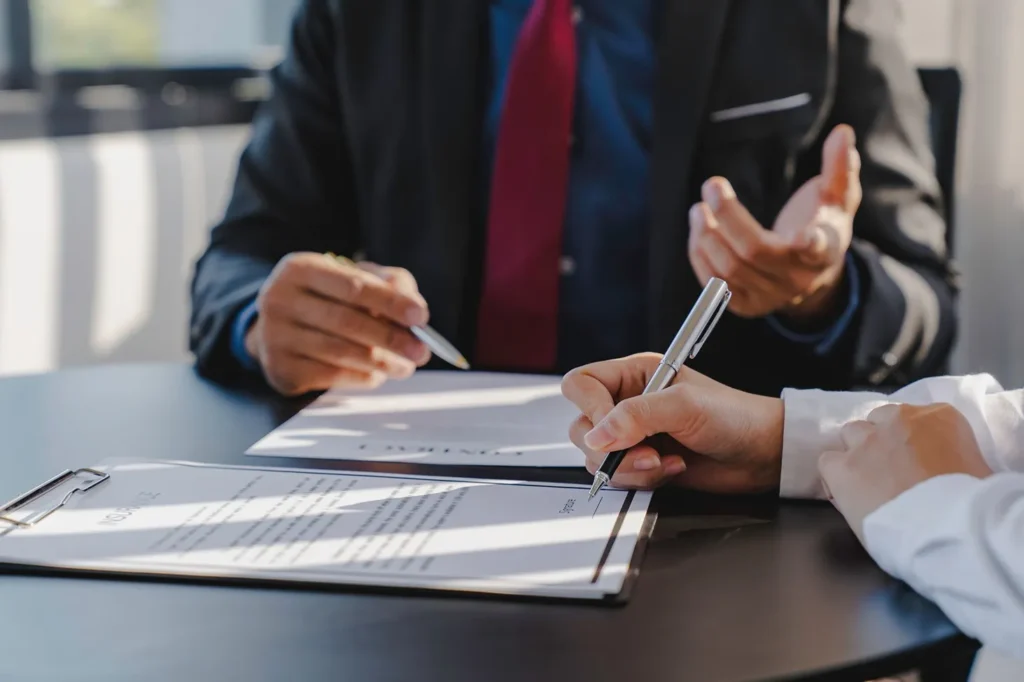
<point x="121" y="122"/>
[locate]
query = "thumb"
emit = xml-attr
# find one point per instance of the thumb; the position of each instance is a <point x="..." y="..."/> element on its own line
<point x="840" y="166"/>
<point x="822" y="242"/>
<point x="635" y="419"/>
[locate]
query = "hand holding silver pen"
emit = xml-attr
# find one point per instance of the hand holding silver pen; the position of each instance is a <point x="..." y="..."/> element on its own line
<point x="437" y="344"/>
<point x="688" y="341"/>
<point x="320" y="321"/>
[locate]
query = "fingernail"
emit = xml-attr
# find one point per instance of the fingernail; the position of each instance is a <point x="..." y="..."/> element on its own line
<point x="403" y="371"/>
<point x="647" y="463"/>
<point x="599" y="437"/>
<point x="695" y="214"/>
<point x="721" y="192"/>
<point x="674" y="467"/>
<point x="415" y="316"/>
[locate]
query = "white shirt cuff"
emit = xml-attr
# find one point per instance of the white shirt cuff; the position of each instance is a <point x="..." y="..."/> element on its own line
<point x="813" y="420"/>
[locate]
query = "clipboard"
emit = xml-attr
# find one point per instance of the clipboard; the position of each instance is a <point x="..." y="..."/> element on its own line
<point x="78" y="484"/>
<point x="95" y="478"/>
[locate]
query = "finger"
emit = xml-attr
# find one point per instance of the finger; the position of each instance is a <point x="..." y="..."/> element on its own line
<point x="744" y="233"/>
<point x="595" y="388"/>
<point x="642" y="460"/>
<point x="711" y="256"/>
<point x="647" y="479"/>
<point x="738" y="249"/>
<point x="831" y="466"/>
<point x="698" y="261"/>
<point x="342" y="353"/>
<point x="886" y="414"/>
<point x="740" y="303"/>
<point x="822" y="242"/>
<point x="293" y="375"/>
<point x="854" y="434"/>
<point x="643" y="464"/>
<point x="588" y="393"/>
<point x="812" y="243"/>
<point x="840" y="166"/>
<point x="349" y="323"/>
<point x="854" y="188"/>
<point x="727" y="265"/>
<point x="845" y="488"/>
<point x="701" y="267"/>
<point x="720" y="258"/>
<point x="579" y="428"/>
<point x="400" y="278"/>
<point x="358" y="288"/>
<point x="642" y="468"/>
<point x="697" y="225"/>
<point x="635" y="419"/>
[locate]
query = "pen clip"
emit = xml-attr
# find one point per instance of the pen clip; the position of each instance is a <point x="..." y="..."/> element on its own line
<point x="711" y="325"/>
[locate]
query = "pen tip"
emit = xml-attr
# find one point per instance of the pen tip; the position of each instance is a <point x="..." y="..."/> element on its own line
<point x="594" y="489"/>
<point x="461" y="363"/>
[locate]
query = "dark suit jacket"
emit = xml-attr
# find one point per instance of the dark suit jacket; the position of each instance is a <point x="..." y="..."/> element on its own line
<point x="371" y="142"/>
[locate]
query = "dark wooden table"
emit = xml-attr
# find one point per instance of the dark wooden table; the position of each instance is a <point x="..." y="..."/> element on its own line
<point x="731" y="589"/>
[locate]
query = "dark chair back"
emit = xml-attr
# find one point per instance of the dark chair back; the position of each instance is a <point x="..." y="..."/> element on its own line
<point x="943" y="87"/>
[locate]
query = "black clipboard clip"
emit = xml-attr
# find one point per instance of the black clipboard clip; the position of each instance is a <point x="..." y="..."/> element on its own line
<point x="91" y="479"/>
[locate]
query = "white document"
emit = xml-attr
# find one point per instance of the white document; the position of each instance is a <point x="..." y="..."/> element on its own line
<point x="184" y="519"/>
<point x="468" y="418"/>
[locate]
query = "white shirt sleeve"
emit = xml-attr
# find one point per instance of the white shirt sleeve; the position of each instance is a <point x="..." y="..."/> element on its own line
<point x="959" y="541"/>
<point x="814" y="418"/>
<point x="956" y="539"/>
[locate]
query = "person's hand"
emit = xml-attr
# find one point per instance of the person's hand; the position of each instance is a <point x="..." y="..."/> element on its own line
<point x="897" y="447"/>
<point x="716" y="438"/>
<point x="321" y="324"/>
<point x="797" y="267"/>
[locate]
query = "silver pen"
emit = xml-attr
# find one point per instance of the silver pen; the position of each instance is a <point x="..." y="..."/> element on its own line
<point x="437" y="344"/>
<point x="688" y="341"/>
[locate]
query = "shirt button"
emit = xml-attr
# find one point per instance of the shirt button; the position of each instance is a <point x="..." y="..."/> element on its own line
<point x="566" y="266"/>
<point x="577" y="15"/>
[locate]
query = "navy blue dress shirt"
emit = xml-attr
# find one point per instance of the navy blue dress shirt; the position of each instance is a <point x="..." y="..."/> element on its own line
<point x="603" y="292"/>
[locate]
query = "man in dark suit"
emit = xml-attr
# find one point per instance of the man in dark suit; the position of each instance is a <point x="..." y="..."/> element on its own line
<point x="528" y="167"/>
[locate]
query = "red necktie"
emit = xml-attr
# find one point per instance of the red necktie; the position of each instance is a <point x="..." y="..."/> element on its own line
<point x="518" y="317"/>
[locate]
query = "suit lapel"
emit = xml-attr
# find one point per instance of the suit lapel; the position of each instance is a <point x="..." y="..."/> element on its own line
<point x="687" y="54"/>
<point x="453" y="67"/>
